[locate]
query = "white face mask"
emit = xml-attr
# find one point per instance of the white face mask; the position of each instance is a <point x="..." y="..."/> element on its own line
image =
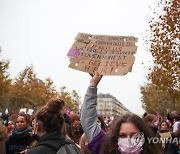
<point x="130" y="145"/>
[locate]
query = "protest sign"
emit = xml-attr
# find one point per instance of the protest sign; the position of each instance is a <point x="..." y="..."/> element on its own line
<point x="109" y="55"/>
<point x="23" y="110"/>
<point x="6" y="111"/>
<point x="30" y="111"/>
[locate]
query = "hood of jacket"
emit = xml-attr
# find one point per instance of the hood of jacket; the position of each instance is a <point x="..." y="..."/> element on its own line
<point x="52" y="139"/>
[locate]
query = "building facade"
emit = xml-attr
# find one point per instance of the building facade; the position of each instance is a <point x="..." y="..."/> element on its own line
<point x="109" y="106"/>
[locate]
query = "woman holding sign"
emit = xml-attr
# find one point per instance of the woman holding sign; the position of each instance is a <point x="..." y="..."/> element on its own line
<point x="129" y="134"/>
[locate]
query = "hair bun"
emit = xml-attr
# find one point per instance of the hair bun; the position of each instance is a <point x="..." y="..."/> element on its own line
<point x="55" y="105"/>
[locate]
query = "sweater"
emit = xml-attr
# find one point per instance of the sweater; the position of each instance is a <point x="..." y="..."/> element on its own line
<point x="95" y="135"/>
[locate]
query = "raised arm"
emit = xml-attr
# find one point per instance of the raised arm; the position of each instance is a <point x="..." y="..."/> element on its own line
<point x="89" y="112"/>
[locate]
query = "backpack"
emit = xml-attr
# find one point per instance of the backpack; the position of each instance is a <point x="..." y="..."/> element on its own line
<point x="66" y="146"/>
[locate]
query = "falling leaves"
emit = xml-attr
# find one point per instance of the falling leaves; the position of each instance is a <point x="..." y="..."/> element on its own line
<point x="165" y="48"/>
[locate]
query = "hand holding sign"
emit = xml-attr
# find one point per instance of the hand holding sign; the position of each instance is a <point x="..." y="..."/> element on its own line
<point x="96" y="77"/>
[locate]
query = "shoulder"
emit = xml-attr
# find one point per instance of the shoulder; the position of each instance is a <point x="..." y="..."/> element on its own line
<point x="95" y="144"/>
<point x="41" y="149"/>
<point x="69" y="148"/>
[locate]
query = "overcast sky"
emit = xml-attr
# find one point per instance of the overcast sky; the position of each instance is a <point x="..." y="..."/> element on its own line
<point x="41" y="32"/>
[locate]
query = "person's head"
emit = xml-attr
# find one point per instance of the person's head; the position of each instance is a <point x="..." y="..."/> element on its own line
<point x="76" y="127"/>
<point x="177" y="132"/>
<point x="49" y="118"/>
<point x="123" y="134"/>
<point x="101" y="122"/>
<point x="163" y="126"/>
<point x="150" y="120"/>
<point x="175" y="116"/>
<point x="75" y="124"/>
<point x="74" y="117"/>
<point x="67" y="118"/>
<point x="22" y="121"/>
<point x="127" y="125"/>
<point x="13" y="118"/>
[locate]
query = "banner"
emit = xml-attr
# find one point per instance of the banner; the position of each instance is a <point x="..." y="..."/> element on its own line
<point x="23" y="110"/>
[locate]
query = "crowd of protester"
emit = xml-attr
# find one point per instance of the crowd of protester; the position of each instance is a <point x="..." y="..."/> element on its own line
<point x="43" y="132"/>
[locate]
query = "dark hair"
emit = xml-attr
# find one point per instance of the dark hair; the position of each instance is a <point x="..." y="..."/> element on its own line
<point x="50" y="115"/>
<point x="145" y="114"/>
<point x="110" y="144"/>
<point x="149" y="118"/>
<point x="175" y="115"/>
<point x="159" y="126"/>
<point x="103" y="125"/>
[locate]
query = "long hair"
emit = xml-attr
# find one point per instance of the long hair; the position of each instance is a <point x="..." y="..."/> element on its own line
<point x="110" y="144"/>
<point x="50" y="115"/>
<point x="149" y="118"/>
<point x="160" y="129"/>
<point x="76" y="127"/>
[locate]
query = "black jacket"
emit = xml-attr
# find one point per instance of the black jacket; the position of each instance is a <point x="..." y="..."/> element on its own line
<point x="45" y="140"/>
<point x="18" y="141"/>
<point x="174" y="146"/>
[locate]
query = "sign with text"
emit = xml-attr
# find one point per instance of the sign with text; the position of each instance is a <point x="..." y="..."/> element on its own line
<point x="109" y="55"/>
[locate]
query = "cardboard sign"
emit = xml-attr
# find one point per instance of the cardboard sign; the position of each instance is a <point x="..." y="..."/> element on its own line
<point x="103" y="67"/>
<point x="109" y="55"/>
<point x="23" y="110"/>
<point x="88" y="38"/>
<point x="164" y="138"/>
<point x="30" y="111"/>
<point x="100" y="49"/>
<point x="6" y="111"/>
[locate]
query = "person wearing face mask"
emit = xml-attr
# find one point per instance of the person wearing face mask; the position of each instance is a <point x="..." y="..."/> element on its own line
<point x="128" y="134"/>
